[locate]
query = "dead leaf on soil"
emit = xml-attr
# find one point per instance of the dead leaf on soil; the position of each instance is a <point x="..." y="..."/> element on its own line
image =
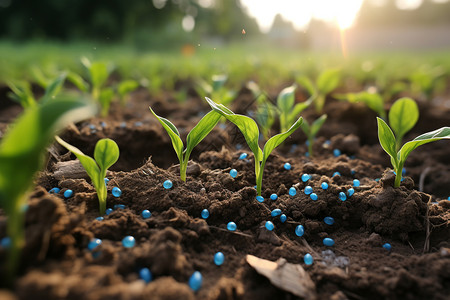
<point x="289" y="277"/>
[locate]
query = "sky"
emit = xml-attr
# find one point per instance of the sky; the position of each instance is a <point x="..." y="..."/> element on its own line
<point x="300" y="12"/>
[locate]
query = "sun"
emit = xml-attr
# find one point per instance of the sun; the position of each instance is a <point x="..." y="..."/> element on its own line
<point x="300" y="12"/>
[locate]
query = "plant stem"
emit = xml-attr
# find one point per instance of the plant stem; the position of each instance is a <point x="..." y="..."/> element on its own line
<point x="310" y="146"/>
<point x="102" y="194"/>
<point x="259" y="175"/>
<point x="183" y="168"/>
<point x="398" y="175"/>
<point x="16" y="232"/>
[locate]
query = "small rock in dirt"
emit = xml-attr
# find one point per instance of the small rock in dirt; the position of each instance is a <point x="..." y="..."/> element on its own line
<point x="193" y="169"/>
<point x="339" y="295"/>
<point x="309" y="168"/>
<point x="267" y="236"/>
<point x="166" y="288"/>
<point x="227" y="288"/>
<point x="444" y="252"/>
<point x="350" y="144"/>
<point x="374" y="240"/>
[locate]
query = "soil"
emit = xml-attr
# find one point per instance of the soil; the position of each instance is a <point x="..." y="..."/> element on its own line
<point x="176" y="241"/>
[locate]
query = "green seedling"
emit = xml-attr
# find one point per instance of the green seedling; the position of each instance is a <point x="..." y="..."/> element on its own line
<point x="326" y="82"/>
<point x="216" y="90"/>
<point x="312" y="130"/>
<point x="288" y="110"/>
<point x="373" y="100"/>
<point x="426" y="81"/>
<point x="98" y="74"/>
<point x="195" y="136"/>
<point x="403" y="115"/>
<point x="398" y="158"/>
<point x="22" y="153"/>
<point x="106" y="154"/>
<point x="250" y="132"/>
<point x="266" y="113"/>
<point x="22" y="93"/>
<point x="125" y="88"/>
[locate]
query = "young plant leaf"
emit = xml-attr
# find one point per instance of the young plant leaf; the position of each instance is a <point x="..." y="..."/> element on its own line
<point x="99" y="73"/>
<point x="403" y="115"/>
<point x="78" y="81"/>
<point x="173" y="133"/>
<point x="387" y="139"/>
<point x="106" y="153"/>
<point x="307" y="84"/>
<point x="286" y="100"/>
<point x="201" y="130"/>
<point x="436" y="135"/>
<point x="328" y="80"/>
<point x="245" y="124"/>
<point x="55" y="86"/>
<point x="21" y="158"/>
<point x="276" y="140"/>
<point x="317" y="124"/>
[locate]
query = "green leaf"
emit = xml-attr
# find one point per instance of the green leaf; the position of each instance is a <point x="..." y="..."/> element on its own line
<point x="403" y="115"/>
<point x="436" y="135"/>
<point x="106" y="153"/>
<point x="328" y="81"/>
<point x="305" y="127"/>
<point x="317" y="124"/>
<point x="174" y="135"/>
<point x="387" y="139"/>
<point x="54" y="87"/>
<point x="298" y="108"/>
<point x="286" y="99"/>
<point x="22" y="93"/>
<point x="78" y="81"/>
<point x="307" y="84"/>
<point x="201" y="130"/>
<point x="99" y="74"/>
<point x="105" y="99"/>
<point x="245" y="124"/>
<point x="126" y="87"/>
<point x="276" y="140"/>
<point x="21" y="155"/>
<point x="39" y="77"/>
<point x="86" y="161"/>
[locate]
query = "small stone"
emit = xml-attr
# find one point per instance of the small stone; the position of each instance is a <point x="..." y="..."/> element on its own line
<point x="324" y="185"/>
<point x="106" y="181"/>
<point x="287" y="166"/>
<point x="283" y="218"/>
<point x="108" y="211"/>
<point x="273" y="197"/>
<point x="350" y="192"/>
<point x="119" y="206"/>
<point x="336" y="174"/>
<point x="342" y="196"/>
<point x="313" y="196"/>
<point x="233" y="173"/>
<point x="260" y="199"/>
<point x="5" y="242"/>
<point x="99" y="218"/>
<point x="356" y="183"/>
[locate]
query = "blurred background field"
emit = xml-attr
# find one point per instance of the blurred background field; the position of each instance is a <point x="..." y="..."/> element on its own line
<point x="161" y="42"/>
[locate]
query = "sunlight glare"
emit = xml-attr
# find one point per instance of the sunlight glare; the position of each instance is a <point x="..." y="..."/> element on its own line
<point x="300" y="12"/>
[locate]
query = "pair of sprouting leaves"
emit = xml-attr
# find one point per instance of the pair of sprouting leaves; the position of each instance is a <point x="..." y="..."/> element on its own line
<point x="106" y="154"/>
<point x="403" y="115"/>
